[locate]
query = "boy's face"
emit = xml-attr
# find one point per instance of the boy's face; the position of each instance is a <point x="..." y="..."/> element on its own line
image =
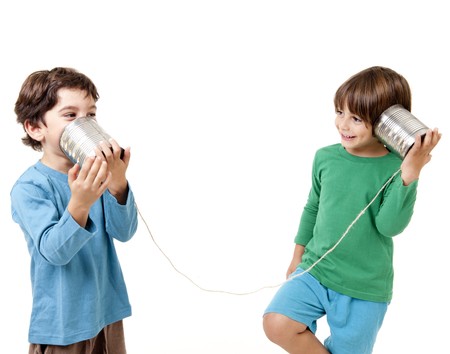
<point x="72" y="104"/>
<point x="356" y="135"/>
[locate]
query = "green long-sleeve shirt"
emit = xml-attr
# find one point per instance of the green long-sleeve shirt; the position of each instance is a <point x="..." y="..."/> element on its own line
<point x="361" y="266"/>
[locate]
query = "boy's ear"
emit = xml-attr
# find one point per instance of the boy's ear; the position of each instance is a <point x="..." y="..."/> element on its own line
<point x="34" y="130"/>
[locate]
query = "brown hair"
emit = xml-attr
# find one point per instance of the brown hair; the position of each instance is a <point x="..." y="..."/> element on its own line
<point x="39" y="94"/>
<point x="371" y="91"/>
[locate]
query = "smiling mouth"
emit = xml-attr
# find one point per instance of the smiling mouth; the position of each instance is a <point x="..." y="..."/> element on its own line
<point x="347" y="137"/>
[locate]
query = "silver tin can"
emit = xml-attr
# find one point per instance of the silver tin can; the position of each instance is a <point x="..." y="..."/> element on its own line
<point x="397" y="128"/>
<point x="80" y="137"/>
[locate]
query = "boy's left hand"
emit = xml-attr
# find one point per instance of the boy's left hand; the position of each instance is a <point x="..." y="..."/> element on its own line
<point x="419" y="155"/>
<point x="118" y="185"/>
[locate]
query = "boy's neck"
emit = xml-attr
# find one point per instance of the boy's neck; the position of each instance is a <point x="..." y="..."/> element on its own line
<point x="378" y="150"/>
<point x="59" y="164"/>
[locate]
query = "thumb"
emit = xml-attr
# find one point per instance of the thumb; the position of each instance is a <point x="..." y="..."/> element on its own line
<point x="73" y="172"/>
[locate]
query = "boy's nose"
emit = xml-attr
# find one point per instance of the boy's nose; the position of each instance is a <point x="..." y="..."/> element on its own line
<point x="343" y="124"/>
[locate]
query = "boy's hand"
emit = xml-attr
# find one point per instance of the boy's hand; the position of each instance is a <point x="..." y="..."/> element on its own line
<point x="86" y="186"/>
<point x="118" y="186"/>
<point x="419" y="155"/>
<point x="296" y="259"/>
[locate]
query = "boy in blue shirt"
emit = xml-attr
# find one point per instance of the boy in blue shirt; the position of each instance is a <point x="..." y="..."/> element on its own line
<point x="70" y="217"/>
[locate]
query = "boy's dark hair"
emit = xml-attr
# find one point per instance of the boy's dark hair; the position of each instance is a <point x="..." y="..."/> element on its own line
<point x="371" y="91"/>
<point x="39" y="95"/>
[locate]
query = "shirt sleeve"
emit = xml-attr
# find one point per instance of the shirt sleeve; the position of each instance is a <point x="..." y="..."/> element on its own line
<point x="309" y="214"/>
<point x="121" y="220"/>
<point x="397" y="207"/>
<point x="55" y="237"/>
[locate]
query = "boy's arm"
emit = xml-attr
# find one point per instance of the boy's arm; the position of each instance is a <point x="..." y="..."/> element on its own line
<point x="398" y="205"/>
<point x="52" y="232"/>
<point x="307" y="221"/>
<point x="121" y="220"/>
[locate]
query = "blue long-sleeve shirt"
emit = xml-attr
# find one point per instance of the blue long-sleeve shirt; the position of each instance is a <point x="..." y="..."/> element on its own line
<point x="77" y="282"/>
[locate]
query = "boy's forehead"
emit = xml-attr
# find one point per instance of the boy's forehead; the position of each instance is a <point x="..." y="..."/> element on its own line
<point x="341" y="104"/>
<point x="72" y="91"/>
<point x="74" y="97"/>
<point x="65" y="93"/>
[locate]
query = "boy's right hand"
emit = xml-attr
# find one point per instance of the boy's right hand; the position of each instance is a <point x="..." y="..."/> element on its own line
<point x="87" y="185"/>
<point x="419" y="155"/>
<point x="292" y="267"/>
<point x="296" y="259"/>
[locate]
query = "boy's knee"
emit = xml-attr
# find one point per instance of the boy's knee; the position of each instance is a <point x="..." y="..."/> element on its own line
<point x="271" y="325"/>
<point x="278" y="327"/>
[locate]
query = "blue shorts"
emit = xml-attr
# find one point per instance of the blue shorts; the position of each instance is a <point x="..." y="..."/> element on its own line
<point x="354" y="323"/>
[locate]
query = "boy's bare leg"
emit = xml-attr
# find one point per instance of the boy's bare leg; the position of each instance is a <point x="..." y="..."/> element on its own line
<point x="292" y="336"/>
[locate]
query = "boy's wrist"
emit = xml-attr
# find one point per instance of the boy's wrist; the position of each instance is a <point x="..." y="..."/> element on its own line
<point x="119" y="192"/>
<point x="409" y="178"/>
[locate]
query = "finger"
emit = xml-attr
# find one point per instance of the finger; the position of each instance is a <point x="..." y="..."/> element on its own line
<point x="436" y="136"/>
<point x="106" y="149"/>
<point x="431" y="139"/>
<point x="108" y="179"/>
<point x="102" y="172"/>
<point x="420" y="140"/>
<point x="86" y="167"/>
<point x="428" y="137"/>
<point x="94" y="170"/>
<point x="416" y="146"/>
<point x="117" y="150"/>
<point x="102" y="150"/>
<point x="126" y="155"/>
<point x="72" y="173"/>
<point x="101" y="179"/>
<point x="102" y="182"/>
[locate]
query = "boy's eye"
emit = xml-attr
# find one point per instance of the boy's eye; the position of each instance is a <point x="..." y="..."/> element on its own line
<point x="357" y="120"/>
<point x="93" y="114"/>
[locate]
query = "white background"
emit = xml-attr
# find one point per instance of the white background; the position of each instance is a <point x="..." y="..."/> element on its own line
<point x="224" y="104"/>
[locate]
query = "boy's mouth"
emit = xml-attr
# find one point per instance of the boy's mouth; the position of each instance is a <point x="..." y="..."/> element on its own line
<point x="347" y="137"/>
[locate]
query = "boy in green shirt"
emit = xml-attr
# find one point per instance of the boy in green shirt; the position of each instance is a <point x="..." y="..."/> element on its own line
<point x="352" y="285"/>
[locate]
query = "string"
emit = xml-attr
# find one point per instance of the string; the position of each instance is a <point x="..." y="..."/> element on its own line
<point x="361" y="213"/>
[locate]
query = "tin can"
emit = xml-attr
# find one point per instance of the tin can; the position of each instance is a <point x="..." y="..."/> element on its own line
<point x="397" y="128"/>
<point x="81" y="137"/>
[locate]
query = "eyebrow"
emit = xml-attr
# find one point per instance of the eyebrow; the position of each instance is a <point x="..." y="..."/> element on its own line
<point x="74" y="108"/>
